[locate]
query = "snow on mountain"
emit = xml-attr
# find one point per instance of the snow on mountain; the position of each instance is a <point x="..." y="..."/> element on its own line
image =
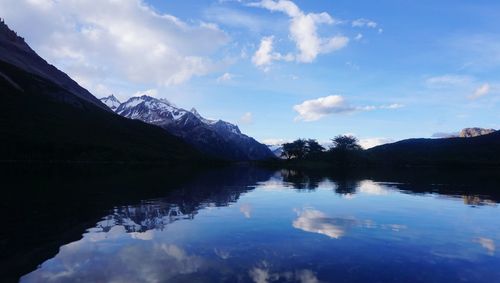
<point x="111" y="101"/>
<point x="204" y="120"/>
<point x="215" y="137"/>
<point x="150" y="110"/>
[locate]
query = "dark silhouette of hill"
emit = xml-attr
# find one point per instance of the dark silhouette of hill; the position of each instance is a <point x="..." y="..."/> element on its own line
<point x="46" y="116"/>
<point x="481" y="150"/>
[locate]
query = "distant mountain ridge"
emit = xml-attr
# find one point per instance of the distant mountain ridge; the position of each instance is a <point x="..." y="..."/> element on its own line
<point x="480" y="150"/>
<point x="213" y="137"/>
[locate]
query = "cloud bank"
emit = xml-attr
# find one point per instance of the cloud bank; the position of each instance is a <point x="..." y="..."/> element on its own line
<point x="116" y="40"/>
<point x="303" y="32"/>
<point x="481" y="91"/>
<point x="315" y="109"/>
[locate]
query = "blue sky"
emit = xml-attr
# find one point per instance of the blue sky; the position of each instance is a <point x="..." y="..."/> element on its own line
<point x="381" y="70"/>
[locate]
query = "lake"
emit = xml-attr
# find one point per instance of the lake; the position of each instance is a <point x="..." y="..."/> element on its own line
<point x="248" y="224"/>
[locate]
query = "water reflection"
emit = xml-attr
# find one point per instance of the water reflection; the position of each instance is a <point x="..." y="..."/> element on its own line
<point x="477" y="200"/>
<point x="264" y="275"/>
<point x="487" y="243"/>
<point x="255" y="225"/>
<point x="315" y="221"/>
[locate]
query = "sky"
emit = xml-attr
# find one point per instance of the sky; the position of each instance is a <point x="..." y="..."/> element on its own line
<point x="381" y="70"/>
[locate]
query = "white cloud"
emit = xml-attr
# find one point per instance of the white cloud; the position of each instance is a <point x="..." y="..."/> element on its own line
<point x="236" y="18"/>
<point x="246" y="209"/>
<point x="373" y="142"/>
<point x="275" y="141"/>
<point x="315" y="109"/>
<point x="443" y="135"/>
<point x="225" y="77"/>
<point x="303" y="30"/>
<point x="98" y="42"/>
<point x="358" y="37"/>
<point x="481" y="91"/>
<point x="469" y="86"/>
<point x="476" y="52"/>
<point x="149" y="92"/>
<point x="364" y="23"/>
<point x="264" y="56"/>
<point x="391" y="106"/>
<point x="448" y="80"/>
<point x="247" y="118"/>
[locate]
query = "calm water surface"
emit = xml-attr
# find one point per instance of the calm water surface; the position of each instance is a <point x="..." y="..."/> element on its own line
<point x="283" y="226"/>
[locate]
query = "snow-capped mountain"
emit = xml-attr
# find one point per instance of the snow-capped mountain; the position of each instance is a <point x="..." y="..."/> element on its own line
<point x="215" y="137"/>
<point x="111" y="101"/>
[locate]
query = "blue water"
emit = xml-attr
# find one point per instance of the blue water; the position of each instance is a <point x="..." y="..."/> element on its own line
<point x="276" y="231"/>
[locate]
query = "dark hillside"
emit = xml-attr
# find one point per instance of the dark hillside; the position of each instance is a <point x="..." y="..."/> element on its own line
<point x="481" y="150"/>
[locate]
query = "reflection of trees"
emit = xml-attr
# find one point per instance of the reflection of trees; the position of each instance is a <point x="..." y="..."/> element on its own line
<point x="476" y="188"/>
<point x="303" y="180"/>
<point x="300" y="180"/>
<point x="476" y="200"/>
<point x="345" y="186"/>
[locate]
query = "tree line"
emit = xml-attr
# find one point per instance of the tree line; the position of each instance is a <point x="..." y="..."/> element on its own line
<point x="345" y="151"/>
<point x="305" y="148"/>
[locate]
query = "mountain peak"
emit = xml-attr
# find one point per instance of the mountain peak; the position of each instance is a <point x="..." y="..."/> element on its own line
<point x="147" y="97"/>
<point x="204" y="120"/>
<point x="196" y="113"/>
<point x="9" y="34"/>
<point x="111" y="101"/>
<point x="111" y="97"/>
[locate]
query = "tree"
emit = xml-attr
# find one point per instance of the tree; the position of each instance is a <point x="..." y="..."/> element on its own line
<point x="313" y="147"/>
<point x="296" y="149"/>
<point x="287" y="151"/>
<point x="346" y="143"/>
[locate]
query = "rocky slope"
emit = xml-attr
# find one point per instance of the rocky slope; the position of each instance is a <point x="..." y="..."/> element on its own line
<point x="475" y="132"/>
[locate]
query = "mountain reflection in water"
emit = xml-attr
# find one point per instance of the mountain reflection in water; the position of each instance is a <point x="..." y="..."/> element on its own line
<point x="247" y="224"/>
